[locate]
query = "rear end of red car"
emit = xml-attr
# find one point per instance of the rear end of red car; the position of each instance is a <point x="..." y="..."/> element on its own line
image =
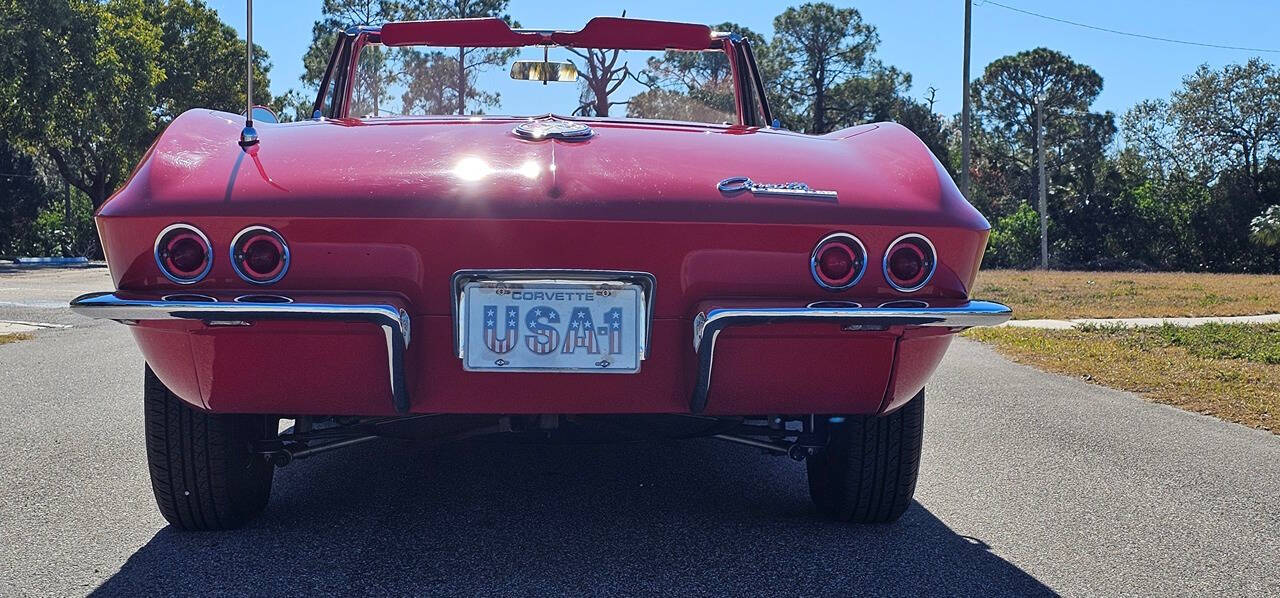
<point x="352" y="274"/>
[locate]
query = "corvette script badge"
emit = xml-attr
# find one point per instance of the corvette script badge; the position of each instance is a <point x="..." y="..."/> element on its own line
<point x="739" y="184"/>
<point x="553" y="128"/>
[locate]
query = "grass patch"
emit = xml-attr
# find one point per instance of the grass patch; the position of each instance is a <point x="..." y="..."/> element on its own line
<point x="13" y="338"/>
<point x="1228" y="371"/>
<point x="1036" y="294"/>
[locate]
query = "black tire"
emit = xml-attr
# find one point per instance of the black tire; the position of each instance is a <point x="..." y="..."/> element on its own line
<point x="867" y="472"/>
<point x="202" y="471"/>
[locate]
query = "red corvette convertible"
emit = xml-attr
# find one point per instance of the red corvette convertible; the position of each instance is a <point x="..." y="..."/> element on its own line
<point x="432" y="275"/>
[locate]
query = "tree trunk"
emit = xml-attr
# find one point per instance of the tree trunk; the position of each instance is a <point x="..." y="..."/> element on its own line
<point x="602" y="98"/>
<point x="98" y="195"/>
<point x="819" y="103"/>
<point x="462" y="81"/>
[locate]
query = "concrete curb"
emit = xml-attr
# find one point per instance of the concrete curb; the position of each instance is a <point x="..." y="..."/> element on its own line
<point x="60" y="261"/>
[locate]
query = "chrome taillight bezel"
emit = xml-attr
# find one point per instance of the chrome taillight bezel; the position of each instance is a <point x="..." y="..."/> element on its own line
<point x="931" y="254"/>
<point x="242" y="239"/>
<point x="157" y="249"/>
<point x="849" y="241"/>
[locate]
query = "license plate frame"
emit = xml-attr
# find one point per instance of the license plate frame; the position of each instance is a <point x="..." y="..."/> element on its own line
<point x="478" y="290"/>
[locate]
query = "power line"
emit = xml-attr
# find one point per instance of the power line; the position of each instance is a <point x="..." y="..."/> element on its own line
<point x="1128" y="33"/>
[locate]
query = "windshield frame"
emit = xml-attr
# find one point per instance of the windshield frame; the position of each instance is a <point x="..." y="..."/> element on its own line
<point x="333" y="100"/>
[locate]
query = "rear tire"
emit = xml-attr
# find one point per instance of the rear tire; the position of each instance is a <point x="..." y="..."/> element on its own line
<point x="202" y="471"/>
<point x="867" y="472"/>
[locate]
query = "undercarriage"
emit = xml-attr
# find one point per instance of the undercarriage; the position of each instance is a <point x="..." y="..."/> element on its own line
<point x="796" y="436"/>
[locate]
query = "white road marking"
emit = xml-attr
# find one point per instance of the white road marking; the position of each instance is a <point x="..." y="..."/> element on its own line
<point x="35" y="304"/>
<point x="35" y="324"/>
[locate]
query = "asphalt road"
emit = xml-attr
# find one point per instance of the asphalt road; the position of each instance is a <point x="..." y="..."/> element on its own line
<point x="1031" y="484"/>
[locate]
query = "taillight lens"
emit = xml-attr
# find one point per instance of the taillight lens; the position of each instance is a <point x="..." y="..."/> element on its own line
<point x="909" y="262"/>
<point x="183" y="254"/>
<point x="259" y="255"/>
<point x="838" y="261"/>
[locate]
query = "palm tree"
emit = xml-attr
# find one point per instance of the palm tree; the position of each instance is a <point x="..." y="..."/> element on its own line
<point x="1265" y="229"/>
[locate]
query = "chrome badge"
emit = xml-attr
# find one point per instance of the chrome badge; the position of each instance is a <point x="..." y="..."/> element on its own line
<point x="553" y="128"/>
<point x="739" y="184"/>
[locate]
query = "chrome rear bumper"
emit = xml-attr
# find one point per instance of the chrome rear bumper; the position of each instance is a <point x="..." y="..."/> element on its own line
<point x="393" y="320"/>
<point x="395" y="323"/>
<point x="708" y="325"/>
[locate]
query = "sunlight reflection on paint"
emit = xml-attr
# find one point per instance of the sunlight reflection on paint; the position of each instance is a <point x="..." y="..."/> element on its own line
<point x="472" y="169"/>
<point x="529" y="170"/>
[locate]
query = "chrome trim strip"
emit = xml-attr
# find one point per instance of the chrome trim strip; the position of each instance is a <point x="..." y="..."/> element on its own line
<point x="884" y="263"/>
<point x="707" y="326"/>
<point x="284" y="256"/>
<point x="648" y="285"/>
<point x="393" y="321"/>
<point x="208" y="252"/>
<point x="813" y="261"/>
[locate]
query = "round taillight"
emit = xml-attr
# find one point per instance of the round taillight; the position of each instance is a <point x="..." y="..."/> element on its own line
<point x="909" y="262"/>
<point x="259" y="255"/>
<point x="838" y="261"/>
<point x="183" y="254"/>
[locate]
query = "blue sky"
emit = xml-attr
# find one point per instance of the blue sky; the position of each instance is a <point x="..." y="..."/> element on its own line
<point x="923" y="37"/>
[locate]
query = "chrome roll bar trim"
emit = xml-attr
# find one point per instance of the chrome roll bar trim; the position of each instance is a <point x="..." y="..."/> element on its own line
<point x="393" y="321"/>
<point x="708" y="325"/>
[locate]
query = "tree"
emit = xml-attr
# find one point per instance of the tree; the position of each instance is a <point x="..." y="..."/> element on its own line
<point x="100" y="73"/>
<point x="203" y="61"/>
<point x="600" y="80"/>
<point x="469" y="61"/>
<point x="815" y="47"/>
<point x="1212" y="150"/>
<point x="1006" y="96"/>
<point x="84" y="61"/>
<point x="1005" y="100"/>
<point x="428" y="87"/>
<point x="292" y="106"/>
<point x="881" y="94"/>
<point x="22" y="193"/>
<point x="1220" y="120"/>
<point x="379" y="68"/>
<point x="695" y="86"/>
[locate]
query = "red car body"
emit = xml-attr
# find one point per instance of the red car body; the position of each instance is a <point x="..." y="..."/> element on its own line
<point x="387" y="213"/>
<point x="388" y="217"/>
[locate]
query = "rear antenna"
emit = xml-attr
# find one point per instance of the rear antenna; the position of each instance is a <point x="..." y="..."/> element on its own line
<point x="249" y="136"/>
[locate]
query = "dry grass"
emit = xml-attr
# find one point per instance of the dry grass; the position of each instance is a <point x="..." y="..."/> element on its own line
<point x="1231" y="372"/>
<point x="1069" y="295"/>
<point x="13" y="338"/>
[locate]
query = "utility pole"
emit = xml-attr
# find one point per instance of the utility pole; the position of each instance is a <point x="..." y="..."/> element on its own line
<point x="964" y="113"/>
<point x="1044" y="214"/>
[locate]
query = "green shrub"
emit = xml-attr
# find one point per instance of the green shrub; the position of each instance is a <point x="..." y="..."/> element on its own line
<point x="1015" y="240"/>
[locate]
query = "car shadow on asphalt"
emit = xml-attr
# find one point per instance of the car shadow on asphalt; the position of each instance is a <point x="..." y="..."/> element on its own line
<point x="683" y="518"/>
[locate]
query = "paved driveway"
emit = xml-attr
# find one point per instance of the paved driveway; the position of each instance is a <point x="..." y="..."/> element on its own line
<point x="1032" y="484"/>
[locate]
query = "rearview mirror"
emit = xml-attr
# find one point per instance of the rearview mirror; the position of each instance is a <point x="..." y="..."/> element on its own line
<point x="263" y="114"/>
<point x="542" y="70"/>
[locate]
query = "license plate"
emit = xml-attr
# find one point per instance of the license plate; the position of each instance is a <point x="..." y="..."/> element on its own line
<point x="552" y="326"/>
